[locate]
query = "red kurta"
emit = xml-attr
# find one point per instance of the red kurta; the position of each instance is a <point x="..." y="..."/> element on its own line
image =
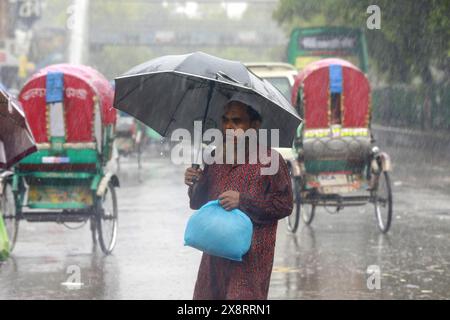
<point x="265" y="199"/>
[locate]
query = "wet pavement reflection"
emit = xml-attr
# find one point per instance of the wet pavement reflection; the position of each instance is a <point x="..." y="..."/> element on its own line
<point x="327" y="260"/>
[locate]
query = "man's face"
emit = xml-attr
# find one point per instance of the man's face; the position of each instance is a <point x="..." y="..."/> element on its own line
<point x="236" y="117"/>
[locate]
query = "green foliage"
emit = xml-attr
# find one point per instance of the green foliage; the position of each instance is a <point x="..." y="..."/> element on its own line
<point x="414" y="35"/>
<point x="413" y="42"/>
<point x="401" y="106"/>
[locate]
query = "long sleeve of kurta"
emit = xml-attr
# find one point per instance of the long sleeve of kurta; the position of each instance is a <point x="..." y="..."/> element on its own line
<point x="276" y="202"/>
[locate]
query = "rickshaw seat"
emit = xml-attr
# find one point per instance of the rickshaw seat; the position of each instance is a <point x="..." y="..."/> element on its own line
<point x="336" y="154"/>
<point x="336" y="148"/>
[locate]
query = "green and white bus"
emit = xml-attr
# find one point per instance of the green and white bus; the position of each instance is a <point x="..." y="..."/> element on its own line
<point x="310" y="44"/>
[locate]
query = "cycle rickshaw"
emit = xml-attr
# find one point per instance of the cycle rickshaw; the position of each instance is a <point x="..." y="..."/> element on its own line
<point x="69" y="109"/>
<point x="335" y="163"/>
<point x="131" y="137"/>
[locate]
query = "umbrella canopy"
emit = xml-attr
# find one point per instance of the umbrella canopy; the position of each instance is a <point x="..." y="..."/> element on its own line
<point x="172" y="92"/>
<point x="16" y="140"/>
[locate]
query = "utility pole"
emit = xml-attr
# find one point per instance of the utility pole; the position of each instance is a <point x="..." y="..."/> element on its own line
<point x="3" y="19"/>
<point x="78" y="25"/>
<point x="4" y="52"/>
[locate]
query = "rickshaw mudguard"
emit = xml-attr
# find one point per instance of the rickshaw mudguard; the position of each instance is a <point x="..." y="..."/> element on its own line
<point x="4" y="176"/>
<point x="297" y="168"/>
<point x="385" y="161"/>
<point x="286" y="153"/>
<point x="290" y="157"/>
<point x="102" y="183"/>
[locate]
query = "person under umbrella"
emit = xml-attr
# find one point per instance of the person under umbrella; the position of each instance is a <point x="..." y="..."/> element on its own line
<point x="264" y="198"/>
<point x="173" y="92"/>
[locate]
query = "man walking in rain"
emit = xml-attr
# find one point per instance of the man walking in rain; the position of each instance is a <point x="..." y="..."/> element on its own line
<point x="264" y="198"/>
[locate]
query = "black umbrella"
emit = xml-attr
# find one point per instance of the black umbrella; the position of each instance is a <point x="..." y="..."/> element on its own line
<point x="16" y="139"/>
<point x="172" y="92"/>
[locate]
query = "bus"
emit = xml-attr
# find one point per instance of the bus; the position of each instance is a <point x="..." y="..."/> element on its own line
<point x="310" y="44"/>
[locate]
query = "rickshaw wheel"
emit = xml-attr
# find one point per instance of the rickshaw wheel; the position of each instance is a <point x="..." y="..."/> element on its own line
<point x="308" y="212"/>
<point x="294" y="218"/>
<point x="383" y="202"/>
<point x="107" y="219"/>
<point x="8" y="208"/>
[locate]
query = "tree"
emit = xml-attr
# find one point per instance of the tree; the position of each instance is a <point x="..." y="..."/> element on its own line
<point x="414" y="35"/>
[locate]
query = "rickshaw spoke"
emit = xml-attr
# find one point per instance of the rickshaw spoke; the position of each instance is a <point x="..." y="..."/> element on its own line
<point x="107" y="219"/>
<point x="383" y="204"/>
<point x="8" y="210"/>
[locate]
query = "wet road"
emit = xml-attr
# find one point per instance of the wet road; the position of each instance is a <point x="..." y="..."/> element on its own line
<point x="328" y="260"/>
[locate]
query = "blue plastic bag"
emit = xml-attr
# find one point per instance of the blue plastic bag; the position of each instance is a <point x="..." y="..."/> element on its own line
<point x="226" y="234"/>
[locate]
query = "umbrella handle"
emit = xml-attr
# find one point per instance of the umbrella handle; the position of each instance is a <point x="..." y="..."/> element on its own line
<point x="195" y="166"/>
